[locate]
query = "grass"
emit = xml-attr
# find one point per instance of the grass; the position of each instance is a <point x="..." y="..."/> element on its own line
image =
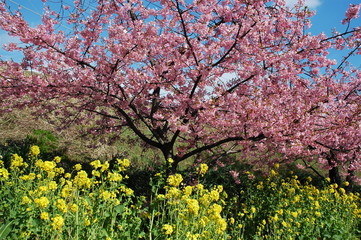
<point x="19" y="129"/>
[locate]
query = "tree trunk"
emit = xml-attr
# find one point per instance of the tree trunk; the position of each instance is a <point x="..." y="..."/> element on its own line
<point x="333" y="173"/>
<point x="349" y="179"/>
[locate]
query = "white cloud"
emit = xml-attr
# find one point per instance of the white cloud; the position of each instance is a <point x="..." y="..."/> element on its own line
<point x="309" y="3"/>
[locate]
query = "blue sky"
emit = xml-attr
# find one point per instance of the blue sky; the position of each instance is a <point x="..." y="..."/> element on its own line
<point x="329" y="14"/>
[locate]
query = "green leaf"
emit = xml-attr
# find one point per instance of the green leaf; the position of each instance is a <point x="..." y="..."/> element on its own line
<point x="119" y="208"/>
<point x="5" y="229"/>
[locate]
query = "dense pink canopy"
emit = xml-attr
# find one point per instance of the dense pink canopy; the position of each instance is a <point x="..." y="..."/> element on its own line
<point x="194" y="76"/>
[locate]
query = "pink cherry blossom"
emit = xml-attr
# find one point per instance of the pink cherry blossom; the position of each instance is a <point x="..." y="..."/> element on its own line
<point x="351" y="13"/>
<point x="187" y="77"/>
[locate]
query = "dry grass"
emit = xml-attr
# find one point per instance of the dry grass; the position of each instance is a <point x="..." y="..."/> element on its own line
<point x="19" y="124"/>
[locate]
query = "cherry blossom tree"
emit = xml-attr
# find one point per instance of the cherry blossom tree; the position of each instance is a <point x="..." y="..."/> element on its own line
<point x="186" y="77"/>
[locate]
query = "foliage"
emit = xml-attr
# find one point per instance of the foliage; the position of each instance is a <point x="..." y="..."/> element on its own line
<point x="45" y="139"/>
<point x="193" y="76"/>
<point x="41" y="201"/>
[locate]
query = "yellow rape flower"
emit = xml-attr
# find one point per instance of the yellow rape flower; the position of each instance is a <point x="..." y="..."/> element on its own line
<point x="25" y="234"/>
<point x="42" y="202"/>
<point x="39" y="163"/>
<point x="59" y="170"/>
<point x="105" y="195"/>
<point x="81" y="180"/>
<point x="16" y="161"/>
<point x="187" y="190"/>
<point x="193" y="206"/>
<point x="273" y="173"/>
<point x="51" y="175"/>
<point x="294" y="214"/>
<point x="126" y="190"/>
<point x="43" y="188"/>
<point x="215" y="209"/>
<point x="203" y="221"/>
<point x="4" y="173"/>
<point x="253" y="209"/>
<point x="175" y="180"/>
<point x="205" y="200"/>
<point x="167" y="229"/>
<point x="115" y="177"/>
<point x="57" y="159"/>
<point x="285" y="224"/>
<point x="48" y="166"/>
<point x="105" y="166"/>
<point x="221" y="225"/>
<point x="26" y="200"/>
<point x="52" y="185"/>
<point x="73" y="207"/>
<point x="200" y="187"/>
<point x="30" y="176"/>
<point x="173" y="193"/>
<point x="61" y="205"/>
<point x="86" y="222"/>
<point x="44" y="216"/>
<point x="95" y="173"/>
<point x="66" y="191"/>
<point x="160" y="197"/>
<point x="317" y="205"/>
<point x="77" y="167"/>
<point x="214" y="195"/>
<point x="34" y="151"/>
<point x="57" y="223"/>
<point x="202" y="169"/>
<point x="96" y="164"/>
<point x="123" y="164"/>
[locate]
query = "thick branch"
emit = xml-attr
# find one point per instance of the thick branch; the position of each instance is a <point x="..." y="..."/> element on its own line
<point x="135" y="128"/>
<point x="216" y="144"/>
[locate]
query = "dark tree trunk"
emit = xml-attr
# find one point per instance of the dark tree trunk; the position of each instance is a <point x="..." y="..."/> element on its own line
<point x="333" y="173"/>
<point x="349" y="179"/>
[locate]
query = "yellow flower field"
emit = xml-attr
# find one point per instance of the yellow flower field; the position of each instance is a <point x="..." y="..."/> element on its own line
<point x="40" y="200"/>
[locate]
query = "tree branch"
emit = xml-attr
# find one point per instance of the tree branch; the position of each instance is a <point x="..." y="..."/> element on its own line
<point x="220" y="142"/>
<point x="136" y="130"/>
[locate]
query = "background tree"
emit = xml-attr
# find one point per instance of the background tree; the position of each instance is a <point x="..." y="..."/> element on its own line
<point x="193" y="76"/>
